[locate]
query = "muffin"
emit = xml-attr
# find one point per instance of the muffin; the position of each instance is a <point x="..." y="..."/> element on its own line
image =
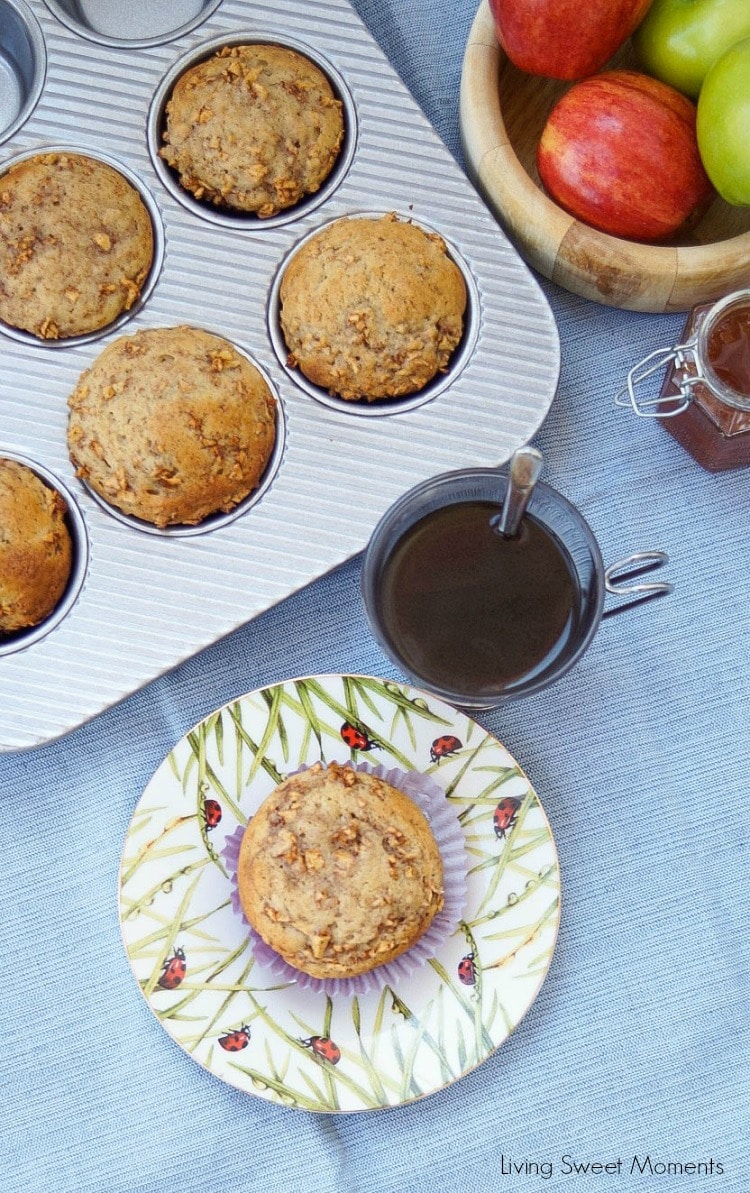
<point x="171" y="424"/>
<point x="76" y="245"/>
<point x="36" y="552"/>
<point x="372" y="308"/>
<point x="339" y="872"/>
<point x="254" y="128"/>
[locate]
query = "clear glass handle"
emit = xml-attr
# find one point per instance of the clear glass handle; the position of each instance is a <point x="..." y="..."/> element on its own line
<point x="618" y="577"/>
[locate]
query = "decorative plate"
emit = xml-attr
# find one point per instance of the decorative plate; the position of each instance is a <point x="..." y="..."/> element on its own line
<point x="190" y="952"/>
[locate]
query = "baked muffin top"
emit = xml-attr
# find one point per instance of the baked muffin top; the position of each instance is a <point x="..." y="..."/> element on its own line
<point x="254" y="128"/>
<point x="76" y="245"/>
<point x="339" y="872"/>
<point x="372" y="308"/>
<point x="171" y="424"/>
<point x="36" y="551"/>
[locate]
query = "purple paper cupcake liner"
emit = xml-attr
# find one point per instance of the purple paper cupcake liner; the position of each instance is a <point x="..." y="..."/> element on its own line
<point x="430" y="797"/>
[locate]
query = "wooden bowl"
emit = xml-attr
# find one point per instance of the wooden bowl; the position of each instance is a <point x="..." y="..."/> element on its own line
<point x="502" y="114"/>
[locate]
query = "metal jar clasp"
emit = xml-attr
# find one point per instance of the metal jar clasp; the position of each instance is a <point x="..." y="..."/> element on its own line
<point x="654" y="363"/>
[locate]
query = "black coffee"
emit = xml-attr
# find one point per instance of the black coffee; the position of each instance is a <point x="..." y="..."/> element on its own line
<point x="472" y="612"/>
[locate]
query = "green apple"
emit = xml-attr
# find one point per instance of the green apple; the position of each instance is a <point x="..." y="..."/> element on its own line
<point x="679" y="40"/>
<point x="723" y="125"/>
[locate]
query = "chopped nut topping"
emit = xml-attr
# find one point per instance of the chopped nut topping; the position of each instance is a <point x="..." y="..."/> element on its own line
<point x="314" y="859"/>
<point x="348" y="834"/>
<point x="285" y="842"/>
<point x="344" y="861"/>
<point x="49" y="330"/>
<point x="319" y="944"/>
<point x="131" y="292"/>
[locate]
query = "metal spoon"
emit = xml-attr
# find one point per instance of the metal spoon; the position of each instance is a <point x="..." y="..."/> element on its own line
<point x="523" y="472"/>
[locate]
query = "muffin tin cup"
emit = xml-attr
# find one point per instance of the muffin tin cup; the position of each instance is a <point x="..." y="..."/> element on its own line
<point x="219" y="520"/>
<point x="23" y="65"/>
<point x="123" y="25"/>
<point x="381" y="406"/>
<point x="248" y="221"/>
<point x="23" y="639"/>
<point x="157" y="227"/>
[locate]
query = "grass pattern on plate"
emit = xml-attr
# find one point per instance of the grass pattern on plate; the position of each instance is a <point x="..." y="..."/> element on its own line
<point x="191" y="956"/>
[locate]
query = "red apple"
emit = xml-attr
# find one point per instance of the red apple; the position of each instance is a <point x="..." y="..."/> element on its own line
<point x="619" y="152"/>
<point x="565" y="39"/>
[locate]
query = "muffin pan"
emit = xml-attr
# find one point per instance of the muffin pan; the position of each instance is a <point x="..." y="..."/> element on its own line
<point x="142" y="602"/>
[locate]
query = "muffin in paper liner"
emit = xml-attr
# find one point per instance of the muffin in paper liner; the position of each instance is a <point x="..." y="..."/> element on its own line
<point x="430" y="797"/>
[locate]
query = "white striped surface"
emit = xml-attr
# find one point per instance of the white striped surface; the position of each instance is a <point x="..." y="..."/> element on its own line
<point x="150" y="601"/>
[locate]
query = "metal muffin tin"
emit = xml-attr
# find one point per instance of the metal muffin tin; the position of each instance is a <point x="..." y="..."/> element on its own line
<point x="93" y="76"/>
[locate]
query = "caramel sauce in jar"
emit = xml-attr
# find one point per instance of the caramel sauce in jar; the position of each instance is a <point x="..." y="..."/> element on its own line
<point x="729" y="349"/>
<point x="715" y="427"/>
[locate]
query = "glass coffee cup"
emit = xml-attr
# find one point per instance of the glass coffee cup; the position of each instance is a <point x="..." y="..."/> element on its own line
<point x="476" y="618"/>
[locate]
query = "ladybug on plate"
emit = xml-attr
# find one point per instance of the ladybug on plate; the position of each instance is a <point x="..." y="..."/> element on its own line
<point x="324" y="1047"/>
<point x="443" y="746"/>
<point x="174" y="971"/>
<point x="504" y="816"/>
<point x="213" y="813"/>
<point x="357" y="739"/>
<point x="235" y="1041"/>
<point x="467" y="970"/>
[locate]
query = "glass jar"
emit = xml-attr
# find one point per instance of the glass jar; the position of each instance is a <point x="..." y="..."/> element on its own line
<point x="704" y="401"/>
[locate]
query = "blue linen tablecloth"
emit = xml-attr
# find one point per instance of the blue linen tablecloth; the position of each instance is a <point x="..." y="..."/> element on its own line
<point x="638" y="1042"/>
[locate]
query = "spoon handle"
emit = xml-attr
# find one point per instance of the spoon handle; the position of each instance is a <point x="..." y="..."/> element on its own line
<point x="523" y="473"/>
